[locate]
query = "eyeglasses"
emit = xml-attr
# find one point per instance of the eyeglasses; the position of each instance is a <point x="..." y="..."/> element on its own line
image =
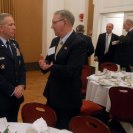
<point x="54" y="22"/>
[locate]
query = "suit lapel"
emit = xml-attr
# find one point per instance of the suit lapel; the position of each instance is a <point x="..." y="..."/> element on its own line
<point x="4" y="50"/>
<point x="68" y="41"/>
<point x="66" y="44"/>
<point x="104" y="40"/>
<point x="13" y="50"/>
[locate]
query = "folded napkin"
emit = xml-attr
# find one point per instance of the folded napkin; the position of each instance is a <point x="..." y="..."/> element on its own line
<point x="40" y="125"/>
<point x="105" y="82"/>
<point x="64" y="131"/>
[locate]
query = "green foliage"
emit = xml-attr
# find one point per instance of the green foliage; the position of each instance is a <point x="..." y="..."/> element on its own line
<point x="6" y="130"/>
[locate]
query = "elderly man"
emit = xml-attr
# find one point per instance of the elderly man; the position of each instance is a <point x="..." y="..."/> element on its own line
<point x="106" y="45"/>
<point x="12" y="70"/>
<point x="124" y="51"/>
<point x="65" y="58"/>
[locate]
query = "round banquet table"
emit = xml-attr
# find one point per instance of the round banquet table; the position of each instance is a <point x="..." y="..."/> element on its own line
<point x="22" y="127"/>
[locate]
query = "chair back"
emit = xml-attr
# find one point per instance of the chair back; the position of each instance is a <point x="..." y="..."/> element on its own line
<point x="121" y="103"/>
<point x="108" y="65"/>
<point x="86" y="71"/>
<point x="32" y="111"/>
<point x="87" y="124"/>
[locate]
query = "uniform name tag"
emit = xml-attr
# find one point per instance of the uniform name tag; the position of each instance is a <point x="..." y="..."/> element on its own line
<point x="51" y="51"/>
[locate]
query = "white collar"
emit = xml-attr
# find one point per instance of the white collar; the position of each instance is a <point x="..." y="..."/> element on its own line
<point x="130" y="29"/>
<point x="66" y="36"/>
<point x="3" y="40"/>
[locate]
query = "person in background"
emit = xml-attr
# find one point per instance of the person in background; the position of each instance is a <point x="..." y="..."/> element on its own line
<point x="124" y="52"/>
<point x="63" y="88"/>
<point x="12" y="70"/>
<point x="106" y="45"/>
<point x="90" y="48"/>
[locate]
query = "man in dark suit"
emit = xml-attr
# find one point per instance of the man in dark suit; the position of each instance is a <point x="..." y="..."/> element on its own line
<point x="106" y="45"/>
<point x="90" y="49"/>
<point x="63" y="89"/>
<point x="124" y="52"/>
<point x="12" y="70"/>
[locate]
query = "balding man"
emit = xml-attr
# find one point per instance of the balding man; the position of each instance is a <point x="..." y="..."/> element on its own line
<point x="64" y="61"/>
<point x="106" y="45"/>
<point x="124" y="51"/>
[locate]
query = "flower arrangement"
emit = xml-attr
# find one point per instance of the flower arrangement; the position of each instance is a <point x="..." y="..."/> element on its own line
<point x="6" y="130"/>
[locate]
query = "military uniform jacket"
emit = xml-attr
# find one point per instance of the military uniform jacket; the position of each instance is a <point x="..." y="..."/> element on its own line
<point x="12" y="73"/>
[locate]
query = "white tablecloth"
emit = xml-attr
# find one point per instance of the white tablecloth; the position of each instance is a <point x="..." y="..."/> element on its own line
<point x="100" y="95"/>
<point x="15" y="127"/>
<point x="98" y="86"/>
<point x="22" y="127"/>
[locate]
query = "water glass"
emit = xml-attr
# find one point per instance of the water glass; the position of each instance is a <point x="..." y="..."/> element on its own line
<point x="123" y="69"/>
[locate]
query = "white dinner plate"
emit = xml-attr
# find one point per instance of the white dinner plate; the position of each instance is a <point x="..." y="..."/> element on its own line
<point x="99" y="74"/>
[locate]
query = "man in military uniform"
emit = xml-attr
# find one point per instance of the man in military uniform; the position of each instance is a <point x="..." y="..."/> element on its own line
<point x="12" y="70"/>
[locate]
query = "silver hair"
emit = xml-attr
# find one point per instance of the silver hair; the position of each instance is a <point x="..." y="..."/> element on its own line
<point x="65" y="14"/>
<point x="129" y="21"/>
<point x="2" y="17"/>
<point x="80" y="28"/>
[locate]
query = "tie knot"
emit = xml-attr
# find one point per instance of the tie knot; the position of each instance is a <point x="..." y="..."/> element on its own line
<point x="61" y="42"/>
<point x="7" y="42"/>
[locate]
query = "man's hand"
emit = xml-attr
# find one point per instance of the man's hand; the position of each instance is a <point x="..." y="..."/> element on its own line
<point x="19" y="91"/>
<point x="43" y="65"/>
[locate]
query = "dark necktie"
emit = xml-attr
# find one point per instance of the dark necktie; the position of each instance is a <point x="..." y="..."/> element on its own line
<point x="8" y="47"/>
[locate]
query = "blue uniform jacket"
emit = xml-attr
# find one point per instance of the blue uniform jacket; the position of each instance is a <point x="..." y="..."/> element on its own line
<point x="12" y="73"/>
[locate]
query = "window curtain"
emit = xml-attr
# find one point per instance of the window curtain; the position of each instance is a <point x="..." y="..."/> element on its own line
<point x="7" y="6"/>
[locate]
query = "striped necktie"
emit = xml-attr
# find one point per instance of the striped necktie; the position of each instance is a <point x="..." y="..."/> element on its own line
<point x="60" y="44"/>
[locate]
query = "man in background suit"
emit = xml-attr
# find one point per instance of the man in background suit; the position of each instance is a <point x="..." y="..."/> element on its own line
<point x="12" y="70"/>
<point x="90" y="49"/>
<point x="106" y="45"/>
<point x="63" y="88"/>
<point x="124" y="52"/>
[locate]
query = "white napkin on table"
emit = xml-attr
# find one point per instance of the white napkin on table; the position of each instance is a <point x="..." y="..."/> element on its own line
<point x="64" y="131"/>
<point x="40" y="125"/>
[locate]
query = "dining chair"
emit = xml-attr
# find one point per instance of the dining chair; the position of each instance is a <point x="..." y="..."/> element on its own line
<point x="86" y="71"/>
<point x="90" y="108"/>
<point x="87" y="124"/>
<point x="121" y="103"/>
<point x="109" y="66"/>
<point x="32" y="111"/>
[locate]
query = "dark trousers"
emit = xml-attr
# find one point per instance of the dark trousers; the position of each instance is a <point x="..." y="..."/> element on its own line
<point x="64" y="117"/>
<point x="11" y="114"/>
